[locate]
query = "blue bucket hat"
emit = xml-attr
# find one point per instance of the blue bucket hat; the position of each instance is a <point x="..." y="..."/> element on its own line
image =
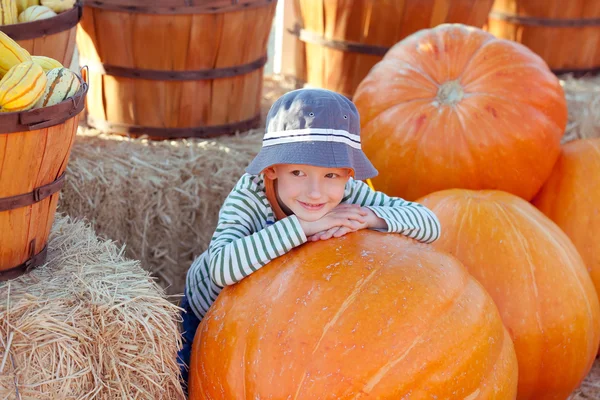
<point x="315" y="127"/>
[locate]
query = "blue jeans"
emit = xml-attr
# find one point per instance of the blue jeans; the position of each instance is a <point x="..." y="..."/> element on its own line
<point x="189" y="325"/>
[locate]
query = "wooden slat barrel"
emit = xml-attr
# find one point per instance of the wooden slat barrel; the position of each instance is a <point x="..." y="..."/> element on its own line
<point x="566" y="34"/>
<point x="53" y="37"/>
<point x="345" y="39"/>
<point x="34" y="150"/>
<point x="175" y="68"/>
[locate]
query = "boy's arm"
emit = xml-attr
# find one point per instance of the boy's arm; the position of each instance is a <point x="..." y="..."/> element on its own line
<point x="242" y="244"/>
<point x="408" y="218"/>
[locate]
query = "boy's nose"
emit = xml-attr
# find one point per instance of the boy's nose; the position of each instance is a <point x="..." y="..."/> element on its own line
<point x="314" y="192"/>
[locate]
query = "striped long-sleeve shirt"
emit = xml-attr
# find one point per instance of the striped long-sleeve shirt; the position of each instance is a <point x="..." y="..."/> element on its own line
<point x="248" y="235"/>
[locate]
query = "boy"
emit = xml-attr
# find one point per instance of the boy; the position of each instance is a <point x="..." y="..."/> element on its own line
<point x="302" y="186"/>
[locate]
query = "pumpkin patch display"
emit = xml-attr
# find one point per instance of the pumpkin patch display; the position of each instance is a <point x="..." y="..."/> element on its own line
<point x="368" y="315"/>
<point x="455" y="107"/>
<point x="535" y="276"/>
<point x="22" y="87"/>
<point x="571" y="198"/>
<point x="36" y="10"/>
<point x="36" y="82"/>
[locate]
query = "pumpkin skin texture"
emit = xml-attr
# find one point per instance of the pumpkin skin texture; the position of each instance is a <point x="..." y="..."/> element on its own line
<point x="364" y="316"/>
<point x="455" y="107"/>
<point x="536" y="278"/>
<point x="571" y="198"/>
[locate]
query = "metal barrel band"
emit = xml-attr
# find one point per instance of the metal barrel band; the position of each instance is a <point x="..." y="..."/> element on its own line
<point x="174" y="133"/>
<point x="34" y="261"/>
<point x="343" y="45"/>
<point x="189" y="75"/>
<point x="545" y="22"/>
<point x="36" y="195"/>
<point x="177" y="6"/>
<point x="49" y="26"/>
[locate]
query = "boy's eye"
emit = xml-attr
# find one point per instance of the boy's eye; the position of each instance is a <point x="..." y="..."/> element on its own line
<point x="297" y="172"/>
<point x="331" y="175"/>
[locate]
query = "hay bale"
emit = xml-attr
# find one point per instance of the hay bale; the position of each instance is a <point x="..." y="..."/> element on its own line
<point x="90" y="324"/>
<point x="583" y="100"/>
<point x="161" y="199"/>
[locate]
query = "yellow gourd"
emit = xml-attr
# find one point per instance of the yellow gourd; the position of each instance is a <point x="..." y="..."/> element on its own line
<point x="46" y="63"/>
<point x="8" y="12"/>
<point x="58" y="6"/>
<point x="22" y="5"/>
<point x="11" y="54"/>
<point x="22" y="87"/>
<point x="61" y="84"/>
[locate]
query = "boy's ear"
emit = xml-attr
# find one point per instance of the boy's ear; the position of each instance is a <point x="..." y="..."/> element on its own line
<point x="270" y="173"/>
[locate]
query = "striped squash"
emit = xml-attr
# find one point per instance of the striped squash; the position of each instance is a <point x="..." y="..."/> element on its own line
<point x="58" y="5"/>
<point x="35" y="13"/>
<point x="46" y="63"/>
<point x="61" y="84"/>
<point x="11" y="54"/>
<point x="8" y="12"/>
<point x="22" y="5"/>
<point x="22" y="87"/>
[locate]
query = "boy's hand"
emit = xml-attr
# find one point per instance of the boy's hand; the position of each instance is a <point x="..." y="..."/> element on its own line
<point x="350" y="216"/>
<point x="371" y="221"/>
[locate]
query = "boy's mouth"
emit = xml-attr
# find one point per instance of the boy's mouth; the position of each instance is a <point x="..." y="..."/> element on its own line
<point x="312" y="207"/>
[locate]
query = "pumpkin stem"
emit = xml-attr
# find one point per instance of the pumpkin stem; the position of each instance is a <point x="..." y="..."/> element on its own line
<point x="450" y="93"/>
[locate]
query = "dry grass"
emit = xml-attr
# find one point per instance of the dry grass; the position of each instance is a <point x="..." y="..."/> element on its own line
<point x="90" y="324"/>
<point x="590" y="388"/>
<point x="583" y="99"/>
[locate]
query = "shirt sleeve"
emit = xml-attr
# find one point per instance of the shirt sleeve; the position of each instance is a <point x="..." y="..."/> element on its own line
<point x="408" y="218"/>
<point x="242" y="244"/>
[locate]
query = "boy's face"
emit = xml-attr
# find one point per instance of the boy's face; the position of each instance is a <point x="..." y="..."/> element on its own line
<point x="307" y="191"/>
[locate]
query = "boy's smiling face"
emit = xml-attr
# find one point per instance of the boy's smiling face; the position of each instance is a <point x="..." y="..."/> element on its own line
<point x="307" y="191"/>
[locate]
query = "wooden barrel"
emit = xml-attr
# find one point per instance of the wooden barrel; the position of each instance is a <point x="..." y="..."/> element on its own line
<point x="175" y="68"/>
<point x="344" y="40"/>
<point x="566" y="34"/>
<point x="53" y="37"/>
<point x="34" y="150"/>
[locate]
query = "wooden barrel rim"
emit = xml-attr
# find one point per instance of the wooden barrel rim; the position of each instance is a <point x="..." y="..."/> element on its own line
<point x="174" y="133"/>
<point x="32" y="262"/>
<point x="36" y="195"/>
<point x="35" y="29"/>
<point x="39" y="118"/>
<point x="184" y="75"/>
<point x="343" y="45"/>
<point x="546" y="22"/>
<point x="177" y="6"/>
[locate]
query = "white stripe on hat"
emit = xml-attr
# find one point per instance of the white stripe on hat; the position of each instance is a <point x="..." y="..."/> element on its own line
<point x="312" y="135"/>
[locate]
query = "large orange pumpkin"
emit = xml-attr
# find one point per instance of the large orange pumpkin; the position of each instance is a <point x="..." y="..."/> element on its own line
<point x="537" y="279"/>
<point x="365" y="316"/>
<point x="571" y="198"/>
<point x="454" y="107"/>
